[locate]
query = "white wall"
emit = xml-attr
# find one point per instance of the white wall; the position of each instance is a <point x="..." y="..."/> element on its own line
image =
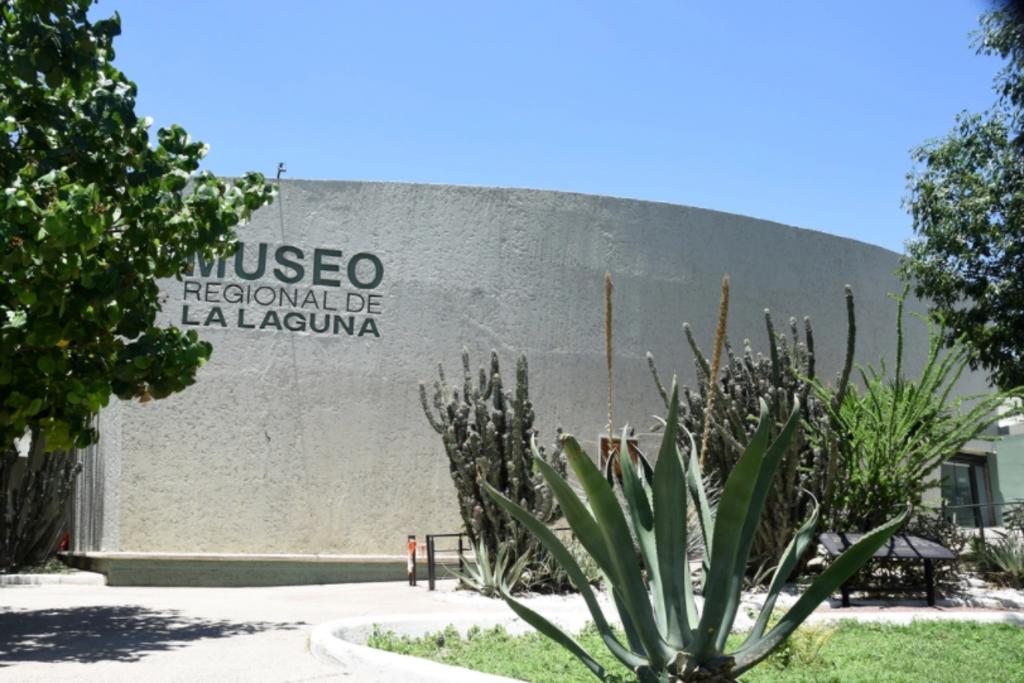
<point x="304" y="442"/>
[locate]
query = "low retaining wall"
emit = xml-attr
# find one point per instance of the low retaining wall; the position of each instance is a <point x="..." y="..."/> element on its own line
<point x="343" y="642"/>
<point x="78" y="578"/>
<point x="228" y="570"/>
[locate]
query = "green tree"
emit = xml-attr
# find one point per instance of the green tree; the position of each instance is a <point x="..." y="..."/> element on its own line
<point x="966" y="198"/>
<point x="93" y="213"/>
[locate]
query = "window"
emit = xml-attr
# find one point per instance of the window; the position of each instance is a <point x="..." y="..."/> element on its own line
<point x="966" y="491"/>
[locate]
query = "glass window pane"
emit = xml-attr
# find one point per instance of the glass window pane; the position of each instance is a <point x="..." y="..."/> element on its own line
<point x="956" y="490"/>
<point x="980" y="479"/>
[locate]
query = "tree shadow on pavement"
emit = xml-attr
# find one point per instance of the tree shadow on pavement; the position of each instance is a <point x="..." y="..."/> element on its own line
<point x="122" y="633"/>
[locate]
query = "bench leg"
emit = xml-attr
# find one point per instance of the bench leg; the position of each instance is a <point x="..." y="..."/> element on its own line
<point x="846" y="594"/>
<point x="929" y="580"/>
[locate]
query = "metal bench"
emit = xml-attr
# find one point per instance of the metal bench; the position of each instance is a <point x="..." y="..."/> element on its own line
<point x="899" y="547"/>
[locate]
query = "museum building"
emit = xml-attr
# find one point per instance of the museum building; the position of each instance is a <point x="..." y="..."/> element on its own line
<point x="302" y="453"/>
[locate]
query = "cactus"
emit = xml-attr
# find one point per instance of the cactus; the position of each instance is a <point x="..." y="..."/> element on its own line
<point x="487" y="431"/>
<point x="35" y="490"/>
<point x="783" y="379"/>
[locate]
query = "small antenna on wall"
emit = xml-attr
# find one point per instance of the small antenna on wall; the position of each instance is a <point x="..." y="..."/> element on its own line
<point x="281" y="169"/>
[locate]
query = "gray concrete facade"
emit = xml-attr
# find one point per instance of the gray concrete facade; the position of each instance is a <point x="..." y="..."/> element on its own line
<point x="301" y="441"/>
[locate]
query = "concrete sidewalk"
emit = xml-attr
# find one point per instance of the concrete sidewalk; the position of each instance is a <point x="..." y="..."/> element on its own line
<point x="100" y="633"/>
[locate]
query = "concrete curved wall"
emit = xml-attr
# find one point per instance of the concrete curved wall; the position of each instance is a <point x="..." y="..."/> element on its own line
<point x="309" y="442"/>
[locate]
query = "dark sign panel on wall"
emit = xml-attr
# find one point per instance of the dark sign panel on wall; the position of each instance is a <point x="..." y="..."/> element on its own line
<point x="286" y="288"/>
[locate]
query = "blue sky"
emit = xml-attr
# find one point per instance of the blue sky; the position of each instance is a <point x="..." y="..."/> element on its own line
<point x="799" y="112"/>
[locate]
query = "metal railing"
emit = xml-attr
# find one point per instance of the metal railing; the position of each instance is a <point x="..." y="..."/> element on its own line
<point x="432" y="554"/>
<point x="432" y="551"/>
<point x="981" y="513"/>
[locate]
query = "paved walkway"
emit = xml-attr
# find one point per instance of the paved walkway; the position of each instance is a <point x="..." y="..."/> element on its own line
<point x="98" y="633"/>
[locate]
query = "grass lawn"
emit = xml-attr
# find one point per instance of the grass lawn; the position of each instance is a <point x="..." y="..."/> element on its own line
<point x="929" y="652"/>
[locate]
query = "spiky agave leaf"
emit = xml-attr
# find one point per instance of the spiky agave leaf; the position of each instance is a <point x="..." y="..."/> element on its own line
<point x="841" y="569"/>
<point x="667" y="641"/>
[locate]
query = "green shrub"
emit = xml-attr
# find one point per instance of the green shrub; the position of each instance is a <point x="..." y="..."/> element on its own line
<point x="1013" y="518"/>
<point x="896" y="432"/>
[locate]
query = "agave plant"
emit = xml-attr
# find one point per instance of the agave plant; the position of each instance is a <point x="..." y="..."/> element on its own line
<point x="667" y="637"/>
<point x="486" y="577"/>
<point x="1004" y="557"/>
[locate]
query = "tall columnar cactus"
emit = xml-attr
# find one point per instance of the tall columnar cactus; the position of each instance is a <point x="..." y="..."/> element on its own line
<point x="35" y="490"/>
<point x="486" y="431"/>
<point x="783" y="379"/>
